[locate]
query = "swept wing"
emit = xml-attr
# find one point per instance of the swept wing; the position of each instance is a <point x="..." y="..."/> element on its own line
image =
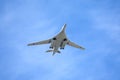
<point x="74" y="45"/>
<point x="40" y="42"/>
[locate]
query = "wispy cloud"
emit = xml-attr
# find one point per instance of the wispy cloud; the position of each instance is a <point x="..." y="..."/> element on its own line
<point x="36" y="20"/>
<point x="108" y="21"/>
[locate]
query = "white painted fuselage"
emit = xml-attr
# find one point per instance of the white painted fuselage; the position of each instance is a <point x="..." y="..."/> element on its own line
<point x="58" y="41"/>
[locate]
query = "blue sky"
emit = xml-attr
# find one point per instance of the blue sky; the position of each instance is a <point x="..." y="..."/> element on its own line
<point x="91" y="23"/>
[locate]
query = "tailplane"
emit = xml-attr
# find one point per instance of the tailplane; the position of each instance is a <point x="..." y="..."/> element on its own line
<point x="53" y="51"/>
<point x="49" y="51"/>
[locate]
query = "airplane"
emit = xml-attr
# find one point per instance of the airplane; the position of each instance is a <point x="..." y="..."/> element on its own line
<point x="58" y="42"/>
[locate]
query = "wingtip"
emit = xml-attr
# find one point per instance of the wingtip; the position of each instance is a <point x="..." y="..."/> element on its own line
<point x="28" y="44"/>
<point x="83" y="48"/>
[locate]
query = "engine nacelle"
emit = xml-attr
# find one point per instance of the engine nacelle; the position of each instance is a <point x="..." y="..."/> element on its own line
<point x="54" y="38"/>
<point x="52" y="43"/>
<point x="64" y="42"/>
<point x="62" y="48"/>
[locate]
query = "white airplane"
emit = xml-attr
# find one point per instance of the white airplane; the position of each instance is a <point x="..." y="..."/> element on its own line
<point x="58" y="41"/>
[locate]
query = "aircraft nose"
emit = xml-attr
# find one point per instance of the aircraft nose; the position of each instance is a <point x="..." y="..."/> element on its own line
<point x="63" y="28"/>
<point x="65" y="25"/>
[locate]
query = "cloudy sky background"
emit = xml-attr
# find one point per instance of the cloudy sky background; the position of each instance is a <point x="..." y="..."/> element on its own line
<point x="91" y="23"/>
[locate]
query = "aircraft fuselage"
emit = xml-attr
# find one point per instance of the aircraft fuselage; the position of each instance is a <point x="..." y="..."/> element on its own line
<point x="58" y="41"/>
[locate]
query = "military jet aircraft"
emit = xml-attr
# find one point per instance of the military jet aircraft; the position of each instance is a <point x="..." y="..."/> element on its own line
<point x="58" y="41"/>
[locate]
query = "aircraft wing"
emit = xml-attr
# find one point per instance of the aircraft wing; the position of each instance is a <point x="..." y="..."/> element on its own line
<point x="40" y="42"/>
<point x="74" y="45"/>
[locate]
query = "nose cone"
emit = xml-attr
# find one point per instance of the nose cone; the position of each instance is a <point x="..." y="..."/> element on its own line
<point x="64" y="27"/>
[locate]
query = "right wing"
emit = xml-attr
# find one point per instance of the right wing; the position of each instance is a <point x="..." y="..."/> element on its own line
<point x="74" y="45"/>
<point x="40" y="42"/>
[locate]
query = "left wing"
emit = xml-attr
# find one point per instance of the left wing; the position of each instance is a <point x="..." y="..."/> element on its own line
<point x="74" y="45"/>
<point x="40" y="42"/>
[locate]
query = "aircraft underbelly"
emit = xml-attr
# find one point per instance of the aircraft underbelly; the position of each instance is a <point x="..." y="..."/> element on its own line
<point x="56" y="44"/>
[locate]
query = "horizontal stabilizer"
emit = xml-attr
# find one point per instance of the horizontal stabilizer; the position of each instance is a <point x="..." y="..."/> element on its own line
<point x="49" y="51"/>
<point x="53" y="51"/>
